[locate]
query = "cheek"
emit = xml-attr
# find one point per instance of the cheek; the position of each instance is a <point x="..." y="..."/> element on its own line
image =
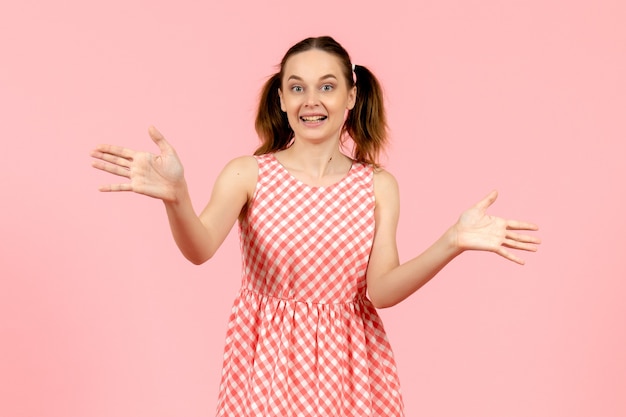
<point x="292" y="114"/>
<point x="290" y="109"/>
<point x="287" y="105"/>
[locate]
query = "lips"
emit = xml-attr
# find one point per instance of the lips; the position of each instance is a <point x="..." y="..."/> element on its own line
<point x="313" y="118"/>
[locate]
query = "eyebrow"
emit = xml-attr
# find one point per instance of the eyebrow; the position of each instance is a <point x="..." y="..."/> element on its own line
<point x="295" y="77"/>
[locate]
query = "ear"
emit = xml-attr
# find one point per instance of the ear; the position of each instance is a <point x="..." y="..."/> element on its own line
<point x="282" y="104"/>
<point x="351" y="98"/>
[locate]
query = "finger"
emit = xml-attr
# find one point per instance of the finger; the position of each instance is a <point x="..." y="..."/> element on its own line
<point x="111" y="168"/>
<point x="487" y="201"/>
<point x="114" y="150"/>
<point x="514" y="244"/>
<point x="115" y="187"/>
<point x="518" y="225"/>
<point x="116" y="160"/>
<point x="523" y="238"/>
<point x="159" y="139"/>
<point x="510" y="256"/>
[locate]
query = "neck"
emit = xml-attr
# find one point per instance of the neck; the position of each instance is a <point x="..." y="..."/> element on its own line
<point x="316" y="160"/>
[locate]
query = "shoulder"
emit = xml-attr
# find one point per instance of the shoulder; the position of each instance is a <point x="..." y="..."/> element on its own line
<point x="385" y="183"/>
<point x="241" y="173"/>
<point x="386" y="191"/>
<point x="384" y="178"/>
<point x="246" y="163"/>
<point x="242" y="167"/>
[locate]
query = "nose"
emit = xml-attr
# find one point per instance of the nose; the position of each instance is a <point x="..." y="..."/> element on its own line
<point x="312" y="98"/>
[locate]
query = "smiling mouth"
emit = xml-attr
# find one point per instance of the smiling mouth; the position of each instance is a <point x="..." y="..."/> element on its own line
<point x="313" y="118"/>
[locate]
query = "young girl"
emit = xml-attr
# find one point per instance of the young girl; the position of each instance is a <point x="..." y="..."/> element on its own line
<point x="318" y="241"/>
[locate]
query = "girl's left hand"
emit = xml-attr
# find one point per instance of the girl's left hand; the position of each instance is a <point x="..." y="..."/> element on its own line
<point x="476" y="230"/>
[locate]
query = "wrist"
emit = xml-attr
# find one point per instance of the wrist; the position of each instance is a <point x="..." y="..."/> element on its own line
<point x="178" y="193"/>
<point x="451" y="240"/>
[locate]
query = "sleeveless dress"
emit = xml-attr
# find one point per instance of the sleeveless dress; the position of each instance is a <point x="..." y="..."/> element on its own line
<point x="303" y="339"/>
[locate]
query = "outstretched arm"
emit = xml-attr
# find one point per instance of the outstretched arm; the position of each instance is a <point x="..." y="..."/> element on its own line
<point x="389" y="282"/>
<point x="161" y="176"/>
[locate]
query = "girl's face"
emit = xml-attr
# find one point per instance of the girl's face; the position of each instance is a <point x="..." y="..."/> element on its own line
<point x="315" y="95"/>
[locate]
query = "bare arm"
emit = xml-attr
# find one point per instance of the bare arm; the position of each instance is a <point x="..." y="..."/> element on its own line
<point x="390" y="282"/>
<point x="161" y="176"/>
<point x="199" y="237"/>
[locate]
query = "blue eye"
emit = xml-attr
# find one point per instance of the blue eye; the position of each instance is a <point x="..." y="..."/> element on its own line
<point x="327" y="87"/>
<point x="297" y="89"/>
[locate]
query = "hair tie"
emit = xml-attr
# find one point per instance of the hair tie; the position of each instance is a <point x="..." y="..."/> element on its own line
<point x="353" y="67"/>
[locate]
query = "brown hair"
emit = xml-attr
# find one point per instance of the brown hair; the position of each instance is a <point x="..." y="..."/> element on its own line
<point x="366" y="123"/>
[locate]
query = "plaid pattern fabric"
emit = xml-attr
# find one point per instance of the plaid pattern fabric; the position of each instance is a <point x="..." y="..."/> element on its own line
<point x="303" y="340"/>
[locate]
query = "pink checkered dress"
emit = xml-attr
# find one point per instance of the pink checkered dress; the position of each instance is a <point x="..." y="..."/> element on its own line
<point x="303" y="340"/>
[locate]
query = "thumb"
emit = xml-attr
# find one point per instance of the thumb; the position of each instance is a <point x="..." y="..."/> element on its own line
<point x="158" y="138"/>
<point x="487" y="201"/>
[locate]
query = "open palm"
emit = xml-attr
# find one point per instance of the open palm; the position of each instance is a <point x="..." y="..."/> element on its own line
<point x="157" y="176"/>
<point x="476" y="230"/>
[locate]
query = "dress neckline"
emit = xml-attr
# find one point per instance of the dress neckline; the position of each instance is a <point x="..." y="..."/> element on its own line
<point x="314" y="187"/>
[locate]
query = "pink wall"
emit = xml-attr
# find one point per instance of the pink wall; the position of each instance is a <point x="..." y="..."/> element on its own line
<point x="99" y="314"/>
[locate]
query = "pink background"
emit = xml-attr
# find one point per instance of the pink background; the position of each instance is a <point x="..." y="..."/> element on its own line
<point x="100" y="315"/>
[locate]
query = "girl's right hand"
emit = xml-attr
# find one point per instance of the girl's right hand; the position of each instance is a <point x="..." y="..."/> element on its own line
<point x="158" y="176"/>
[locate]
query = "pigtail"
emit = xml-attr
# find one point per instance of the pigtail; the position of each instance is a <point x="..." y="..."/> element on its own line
<point x="367" y="122"/>
<point x="271" y="122"/>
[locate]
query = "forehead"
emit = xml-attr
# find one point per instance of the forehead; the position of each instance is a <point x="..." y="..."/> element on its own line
<point x="312" y="64"/>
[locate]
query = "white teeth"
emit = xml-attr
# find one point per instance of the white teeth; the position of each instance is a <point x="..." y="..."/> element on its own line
<point x="312" y="118"/>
